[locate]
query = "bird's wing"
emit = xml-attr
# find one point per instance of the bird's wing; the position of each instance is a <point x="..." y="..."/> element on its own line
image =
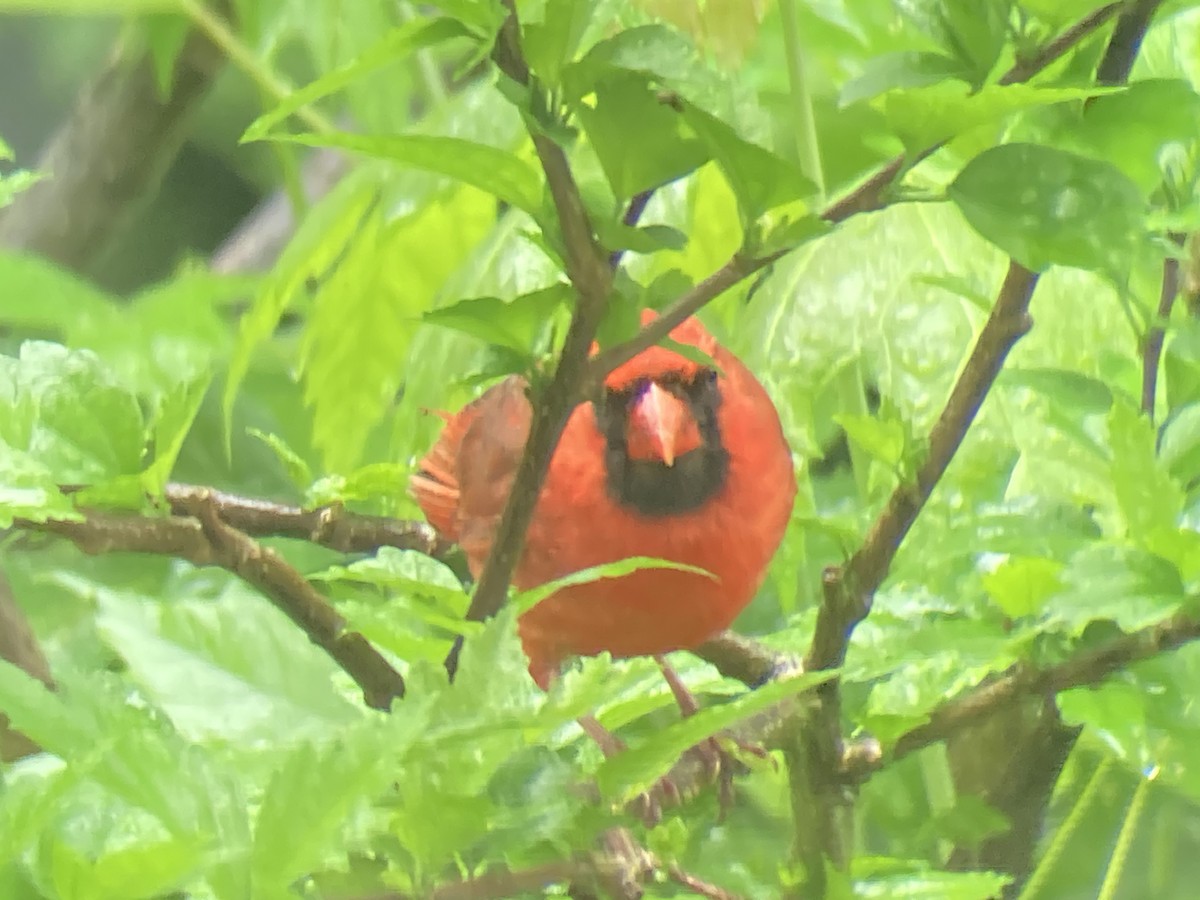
<point x="464" y="480"/>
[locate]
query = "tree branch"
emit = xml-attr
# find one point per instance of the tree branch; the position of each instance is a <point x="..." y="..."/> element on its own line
<point x="202" y="538"/>
<point x="19" y="646"/>
<point x="330" y="526"/>
<point x="588" y="269"/>
<point x="1089" y="667"/>
<point x="109" y="156"/>
<point x="1024" y="69"/>
<point x="849" y="589"/>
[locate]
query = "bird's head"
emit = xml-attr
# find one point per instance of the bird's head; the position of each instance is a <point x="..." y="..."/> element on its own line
<point x="658" y="414"/>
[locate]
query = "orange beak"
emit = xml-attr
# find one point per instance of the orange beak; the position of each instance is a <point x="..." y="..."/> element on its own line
<point x="661" y="416"/>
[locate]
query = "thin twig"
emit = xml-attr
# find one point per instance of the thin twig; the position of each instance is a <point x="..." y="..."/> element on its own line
<point x="849" y="589"/>
<point x="1089" y="667"/>
<point x="202" y="538"/>
<point x="1152" y="348"/>
<point x="1024" y="69"/>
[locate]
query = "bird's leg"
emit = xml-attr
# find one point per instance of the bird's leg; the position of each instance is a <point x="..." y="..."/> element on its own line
<point x="648" y="806"/>
<point x="718" y="763"/>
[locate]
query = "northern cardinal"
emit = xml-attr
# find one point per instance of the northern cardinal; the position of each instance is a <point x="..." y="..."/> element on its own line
<point x="674" y="460"/>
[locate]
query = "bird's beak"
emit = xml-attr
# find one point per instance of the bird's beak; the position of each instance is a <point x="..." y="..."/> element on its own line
<point x="662" y="416"/>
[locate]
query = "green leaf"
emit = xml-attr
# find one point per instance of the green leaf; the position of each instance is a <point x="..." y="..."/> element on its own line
<point x="178" y="412"/>
<point x="39" y="295"/>
<point x="356" y="340"/>
<point x="1045" y="207"/>
<point x="398" y="44"/>
<point x="1149" y="500"/>
<point x="629" y="773"/>
<point x="312" y="799"/>
<point x="29" y="490"/>
<point x="881" y="439"/>
<point x="760" y="179"/>
<point x="897" y="71"/>
<point x="1072" y="390"/>
<point x="233" y="668"/>
<point x="526" y="600"/>
<point x="15" y="182"/>
<point x="927" y="116"/>
<point x="318" y="244"/>
<point x="293" y="463"/>
<point x="408" y="572"/>
<point x="515" y="324"/>
<point x="661" y="148"/>
<point x="1130" y="128"/>
<point x="883" y="878"/>
<point x="1020" y="585"/>
<point x="490" y="169"/>
<point x="549" y="39"/>
<point x="1126" y="585"/>
<point x="484" y="17"/>
<point x="63" y="407"/>
<point x="655" y="52"/>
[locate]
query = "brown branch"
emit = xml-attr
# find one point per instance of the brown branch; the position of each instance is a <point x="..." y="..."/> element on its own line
<point x="19" y="646"/>
<point x="330" y="526"/>
<point x="1126" y="40"/>
<point x="1024" y="69"/>
<point x="849" y="589"/>
<point x="1089" y="667"/>
<point x="200" y="537"/>
<point x="746" y="659"/>
<point x="588" y="270"/>
<point x="1153" y="344"/>
<point x="109" y="156"/>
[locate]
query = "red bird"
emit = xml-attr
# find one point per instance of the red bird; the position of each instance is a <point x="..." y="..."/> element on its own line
<point x="675" y="460"/>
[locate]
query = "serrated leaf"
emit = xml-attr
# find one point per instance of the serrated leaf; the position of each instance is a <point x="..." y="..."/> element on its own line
<point x="317" y="244"/>
<point x="652" y="51"/>
<point x="407" y="571"/>
<point x="401" y="42"/>
<point x="526" y="600"/>
<point x="298" y="470"/>
<point x="488" y="168"/>
<point x="357" y="337"/>
<point x="629" y="773"/>
<point x="177" y="412"/>
<point x="1047" y="207"/>
<point x="29" y="490"/>
<point x="884" y="878"/>
<point x="1126" y="585"/>
<point x="316" y="789"/>
<point x="234" y="669"/>
<point x="63" y="408"/>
